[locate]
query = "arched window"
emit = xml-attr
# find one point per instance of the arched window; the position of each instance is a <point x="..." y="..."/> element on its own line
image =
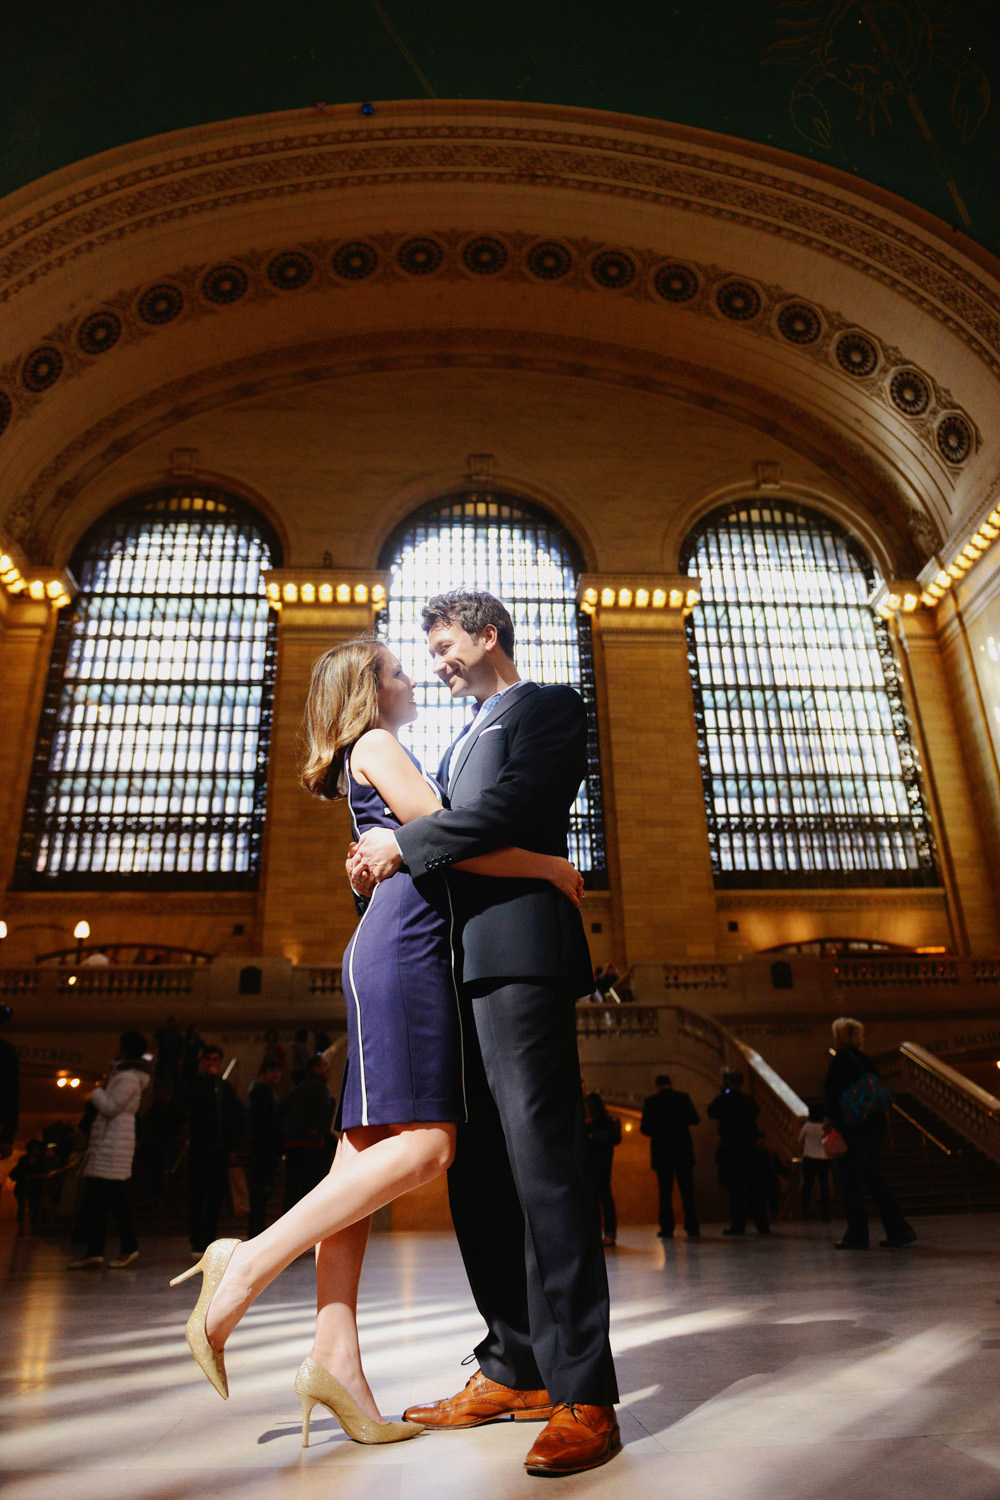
<point x="152" y="753"/>
<point x="519" y="553"/>
<point x="809" y="773"/>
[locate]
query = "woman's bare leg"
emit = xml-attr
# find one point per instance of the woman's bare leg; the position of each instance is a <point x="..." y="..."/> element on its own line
<point x="390" y="1160"/>
<point x="339" y="1259"/>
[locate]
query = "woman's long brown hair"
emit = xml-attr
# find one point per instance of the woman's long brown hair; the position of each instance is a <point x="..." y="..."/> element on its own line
<point x="341" y="705"/>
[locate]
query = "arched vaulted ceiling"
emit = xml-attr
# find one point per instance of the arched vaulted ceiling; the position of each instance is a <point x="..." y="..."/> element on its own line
<point x="894" y="92"/>
<point x="224" y="265"/>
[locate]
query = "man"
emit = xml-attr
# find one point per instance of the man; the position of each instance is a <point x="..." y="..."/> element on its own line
<point x="667" y="1117"/>
<point x="520" y="1190"/>
<point x="738" y="1154"/>
<point x="304" y="1117"/>
<point x="213" y="1126"/>
<point x="265" y="1143"/>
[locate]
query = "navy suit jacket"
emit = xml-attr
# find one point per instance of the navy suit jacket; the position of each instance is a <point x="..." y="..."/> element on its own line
<point x="511" y="779"/>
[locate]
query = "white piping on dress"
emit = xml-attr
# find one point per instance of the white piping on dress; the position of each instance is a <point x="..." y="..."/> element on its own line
<point x="350" y="962"/>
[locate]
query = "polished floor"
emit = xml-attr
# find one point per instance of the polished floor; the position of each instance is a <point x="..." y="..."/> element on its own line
<point x="753" y="1370"/>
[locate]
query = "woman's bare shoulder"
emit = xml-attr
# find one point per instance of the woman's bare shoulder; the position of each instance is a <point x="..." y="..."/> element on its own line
<point x="377" y="751"/>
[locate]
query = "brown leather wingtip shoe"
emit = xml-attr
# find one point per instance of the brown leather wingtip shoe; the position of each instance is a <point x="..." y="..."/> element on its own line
<point x="577" y="1438"/>
<point x="482" y="1400"/>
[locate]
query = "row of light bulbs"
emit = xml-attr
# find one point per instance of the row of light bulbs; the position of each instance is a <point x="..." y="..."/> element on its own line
<point x="325" y="593"/>
<point x="39" y="589"/>
<point x="979" y="542"/>
<point x="625" y="598"/>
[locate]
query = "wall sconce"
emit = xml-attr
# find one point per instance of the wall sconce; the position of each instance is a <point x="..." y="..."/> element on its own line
<point x="81" y="932"/>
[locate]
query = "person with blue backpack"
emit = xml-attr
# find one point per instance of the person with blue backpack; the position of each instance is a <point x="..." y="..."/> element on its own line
<point x="857" y="1102"/>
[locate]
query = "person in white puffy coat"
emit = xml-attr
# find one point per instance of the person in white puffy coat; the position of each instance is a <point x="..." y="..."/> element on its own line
<point x="107" y="1166"/>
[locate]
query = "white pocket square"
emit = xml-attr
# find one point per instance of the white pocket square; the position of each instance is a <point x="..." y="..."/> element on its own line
<point x="490" y="728"/>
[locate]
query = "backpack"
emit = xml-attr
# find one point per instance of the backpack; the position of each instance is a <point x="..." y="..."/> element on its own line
<point x="865" y="1097"/>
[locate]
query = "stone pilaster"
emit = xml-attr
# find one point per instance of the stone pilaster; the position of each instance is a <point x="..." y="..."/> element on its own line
<point x="660" y="830"/>
<point x="958" y="823"/>
<point x="306" y="909"/>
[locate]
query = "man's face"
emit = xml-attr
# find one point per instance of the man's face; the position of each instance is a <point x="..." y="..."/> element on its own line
<point x="459" y="660"/>
<point x="210" y="1063"/>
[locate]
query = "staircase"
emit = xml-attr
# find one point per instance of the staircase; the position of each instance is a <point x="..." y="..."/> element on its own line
<point x="928" y="1179"/>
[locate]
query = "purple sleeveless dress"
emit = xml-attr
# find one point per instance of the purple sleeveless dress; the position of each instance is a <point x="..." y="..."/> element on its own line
<point x="404" y="1037"/>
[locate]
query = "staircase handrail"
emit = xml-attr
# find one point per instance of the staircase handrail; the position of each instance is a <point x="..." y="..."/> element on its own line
<point x="962" y="1104"/>
<point x="783" y="1113"/>
<point x="772" y="1080"/>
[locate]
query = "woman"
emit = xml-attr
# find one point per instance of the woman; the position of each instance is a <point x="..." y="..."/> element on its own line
<point x="108" y="1163"/>
<point x="859" y="1167"/>
<point x="403" y="1092"/>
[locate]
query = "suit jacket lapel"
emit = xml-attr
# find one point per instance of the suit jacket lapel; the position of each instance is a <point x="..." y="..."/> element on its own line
<point x="465" y="745"/>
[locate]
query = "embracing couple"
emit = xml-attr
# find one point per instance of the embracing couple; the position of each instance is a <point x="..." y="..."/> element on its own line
<point x="462" y="1052"/>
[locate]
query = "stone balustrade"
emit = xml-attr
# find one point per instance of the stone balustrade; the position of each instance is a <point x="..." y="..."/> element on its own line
<point x="965" y="1106"/>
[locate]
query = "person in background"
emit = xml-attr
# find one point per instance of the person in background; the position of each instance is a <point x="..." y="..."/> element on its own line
<point x="604" y="1133"/>
<point x="738" y="1155"/>
<point x="815" y="1165"/>
<point x="860" y="1167"/>
<point x="10" y="1089"/>
<point x="265" y="1144"/>
<point x="107" y="1166"/>
<point x="28" y="1176"/>
<point x="162" y="1129"/>
<point x="301" y="1053"/>
<point x="97" y="959"/>
<point x="213" y="1127"/>
<point x="169" y="1055"/>
<point x="606" y="979"/>
<point x="667" y="1117"/>
<point x="194" y="1046"/>
<point x="305" y="1115"/>
<point x="273" y="1051"/>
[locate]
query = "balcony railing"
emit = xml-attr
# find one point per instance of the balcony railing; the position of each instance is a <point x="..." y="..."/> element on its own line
<point x="225" y="986"/>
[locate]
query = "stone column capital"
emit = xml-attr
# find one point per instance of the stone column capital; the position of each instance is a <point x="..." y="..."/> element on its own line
<point x="638" y="603"/>
<point x="342" y="600"/>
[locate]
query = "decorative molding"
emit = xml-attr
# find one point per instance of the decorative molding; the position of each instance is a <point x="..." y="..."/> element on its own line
<point x="566" y="149"/>
<point x="881" y="371"/>
<point x="929" y="898"/>
<point x="35" y="511"/>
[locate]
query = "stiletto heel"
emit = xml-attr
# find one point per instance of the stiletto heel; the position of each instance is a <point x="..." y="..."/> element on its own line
<point x="314" y="1386"/>
<point x="212" y="1267"/>
<point x="307" y="1405"/>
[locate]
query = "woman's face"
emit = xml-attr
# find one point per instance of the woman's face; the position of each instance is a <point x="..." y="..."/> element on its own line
<point x="396" y="704"/>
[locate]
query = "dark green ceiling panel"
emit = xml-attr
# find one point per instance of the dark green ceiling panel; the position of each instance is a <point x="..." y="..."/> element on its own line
<point x="895" y="91"/>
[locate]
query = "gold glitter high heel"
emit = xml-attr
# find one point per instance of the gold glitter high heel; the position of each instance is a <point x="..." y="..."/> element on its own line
<point x="314" y="1386"/>
<point x="212" y="1266"/>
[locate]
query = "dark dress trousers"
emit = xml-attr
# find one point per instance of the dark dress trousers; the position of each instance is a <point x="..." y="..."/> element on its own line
<point x="521" y="1193"/>
<point x="667" y="1117"/>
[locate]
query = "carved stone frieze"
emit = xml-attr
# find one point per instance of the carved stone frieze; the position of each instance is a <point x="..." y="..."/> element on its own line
<point x="645" y="164"/>
<point x="35" y="512"/>
<point x="764" y="310"/>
